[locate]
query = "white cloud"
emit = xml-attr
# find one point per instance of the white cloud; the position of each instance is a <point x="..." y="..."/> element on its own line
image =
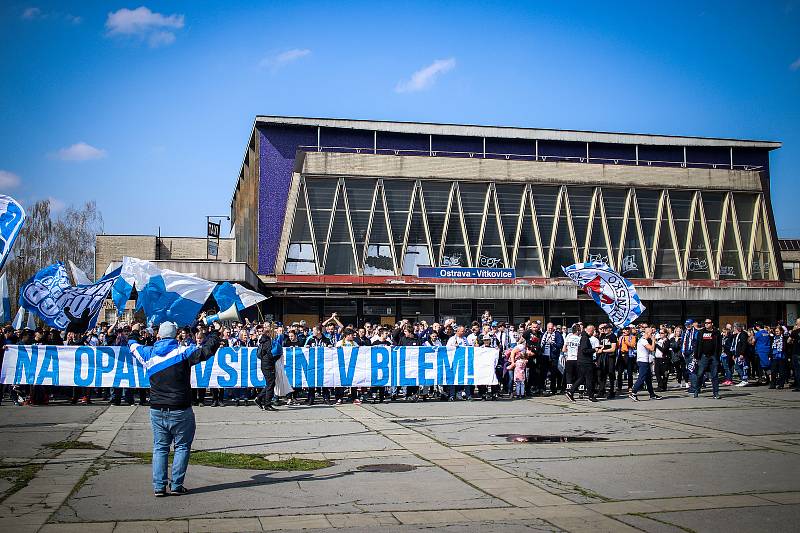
<point x="56" y="205"/>
<point x="35" y="13"/>
<point x="32" y="13"/>
<point x="8" y="180"/>
<point x="155" y="28"/>
<point x="424" y="78"/>
<point x="284" y="58"/>
<point x="795" y="65"/>
<point x="80" y="152"/>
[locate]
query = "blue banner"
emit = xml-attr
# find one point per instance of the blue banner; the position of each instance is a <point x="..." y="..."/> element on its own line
<point x="50" y="295"/>
<point x="12" y="216"/>
<point x="367" y="366"/>
<point x="466" y="273"/>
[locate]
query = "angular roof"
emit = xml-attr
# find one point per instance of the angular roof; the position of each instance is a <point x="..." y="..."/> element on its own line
<point x="509" y="132"/>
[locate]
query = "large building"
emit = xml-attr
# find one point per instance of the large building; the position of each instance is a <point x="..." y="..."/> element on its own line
<point x="339" y="215"/>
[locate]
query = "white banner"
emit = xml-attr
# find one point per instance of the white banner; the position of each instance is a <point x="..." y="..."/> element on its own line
<point x="366" y="366"/>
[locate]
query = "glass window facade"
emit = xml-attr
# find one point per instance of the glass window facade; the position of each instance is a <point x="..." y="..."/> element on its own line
<point x="391" y="227"/>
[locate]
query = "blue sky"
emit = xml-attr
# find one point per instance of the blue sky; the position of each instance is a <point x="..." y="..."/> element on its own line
<point x="146" y="108"/>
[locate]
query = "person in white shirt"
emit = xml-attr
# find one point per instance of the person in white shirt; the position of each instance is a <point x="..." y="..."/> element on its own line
<point x="571" y="344"/>
<point x="459" y="339"/>
<point x="645" y="349"/>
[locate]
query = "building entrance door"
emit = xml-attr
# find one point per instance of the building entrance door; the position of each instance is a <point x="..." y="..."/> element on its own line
<point x="563" y="320"/>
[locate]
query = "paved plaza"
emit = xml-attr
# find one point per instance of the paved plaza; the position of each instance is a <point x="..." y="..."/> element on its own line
<point x="675" y="465"/>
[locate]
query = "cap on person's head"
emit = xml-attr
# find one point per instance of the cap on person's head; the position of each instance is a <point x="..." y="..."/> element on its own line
<point x="167" y="330"/>
<point x="688" y="322"/>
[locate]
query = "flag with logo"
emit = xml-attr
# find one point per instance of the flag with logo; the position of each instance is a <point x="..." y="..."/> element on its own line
<point x="614" y="294"/>
<point x="50" y="295"/>
<point x="12" y="216"/>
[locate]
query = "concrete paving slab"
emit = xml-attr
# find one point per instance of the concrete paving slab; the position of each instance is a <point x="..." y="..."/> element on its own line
<point x="735" y="520"/>
<point x="152" y="526"/>
<point x="26" y="429"/>
<point x="226" y="492"/>
<point x="670" y="475"/>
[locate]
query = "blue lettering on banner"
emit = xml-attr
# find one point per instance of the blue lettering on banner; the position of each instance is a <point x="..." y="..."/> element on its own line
<point x="257" y="378"/>
<point x="361" y="366"/>
<point x="346" y="374"/>
<point x="49" y="369"/>
<point x="26" y="363"/>
<point x="80" y="353"/>
<point x="222" y="357"/>
<point x="381" y="366"/>
<point x="202" y="372"/>
<point x="423" y="364"/>
<point x="103" y="365"/>
<point x="466" y="273"/>
<point x="404" y="381"/>
<point x="125" y="370"/>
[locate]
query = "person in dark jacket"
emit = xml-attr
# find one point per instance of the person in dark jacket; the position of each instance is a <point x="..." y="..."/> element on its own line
<point x="267" y="358"/>
<point x="706" y="354"/>
<point x="587" y="354"/>
<point x="169" y="368"/>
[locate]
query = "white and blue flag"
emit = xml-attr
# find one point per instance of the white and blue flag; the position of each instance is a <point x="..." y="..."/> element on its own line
<point x="12" y="216"/>
<point x="50" y="295"/>
<point x="5" y="301"/>
<point x="161" y="293"/>
<point x="613" y="293"/>
<point x="228" y="294"/>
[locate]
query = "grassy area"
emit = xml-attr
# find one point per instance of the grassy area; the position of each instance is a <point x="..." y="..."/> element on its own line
<point x="19" y="476"/>
<point x="248" y="461"/>
<point x="73" y="445"/>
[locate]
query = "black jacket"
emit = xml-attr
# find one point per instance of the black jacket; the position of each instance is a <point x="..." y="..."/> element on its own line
<point x="171" y="387"/>
<point x="585" y="351"/>
<point x="264" y="353"/>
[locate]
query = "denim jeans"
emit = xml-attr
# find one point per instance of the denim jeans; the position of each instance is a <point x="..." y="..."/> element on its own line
<point x="519" y="388"/>
<point x="645" y="379"/>
<point x="741" y="369"/>
<point x="727" y="367"/>
<point x="708" y="364"/>
<point x="691" y="376"/>
<point x="176" y="426"/>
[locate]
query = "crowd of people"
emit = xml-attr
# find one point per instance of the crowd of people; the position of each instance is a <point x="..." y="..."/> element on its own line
<point x="583" y="360"/>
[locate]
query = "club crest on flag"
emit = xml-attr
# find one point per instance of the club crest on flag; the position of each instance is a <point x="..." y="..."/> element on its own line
<point x="612" y="292"/>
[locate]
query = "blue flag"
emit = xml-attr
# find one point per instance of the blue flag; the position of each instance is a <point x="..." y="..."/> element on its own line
<point x="228" y="294"/>
<point x="50" y="295"/>
<point x="12" y="216"/>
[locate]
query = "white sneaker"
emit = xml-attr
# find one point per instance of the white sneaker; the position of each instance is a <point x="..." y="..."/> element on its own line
<point x="742" y="384"/>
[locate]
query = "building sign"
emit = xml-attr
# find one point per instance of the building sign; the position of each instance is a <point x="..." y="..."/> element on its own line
<point x="213" y="249"/>
<point x="213" y="229"/>
<point x="466" y="273"/>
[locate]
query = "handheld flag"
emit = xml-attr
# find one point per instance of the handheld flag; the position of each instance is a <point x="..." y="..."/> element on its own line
<point x="162" y="294"/>
<point x="50" y="295"/>
<point x="228" y="294"/>
<point x="613" y="293"/>
<point x="19" y="319"/>
<point x="12" y="217"/>
<point x="5" y="301"/>
<point x="79" y="275"/>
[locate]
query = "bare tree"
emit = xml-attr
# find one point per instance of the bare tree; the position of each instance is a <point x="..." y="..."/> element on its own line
<point x="46" y="238"/>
